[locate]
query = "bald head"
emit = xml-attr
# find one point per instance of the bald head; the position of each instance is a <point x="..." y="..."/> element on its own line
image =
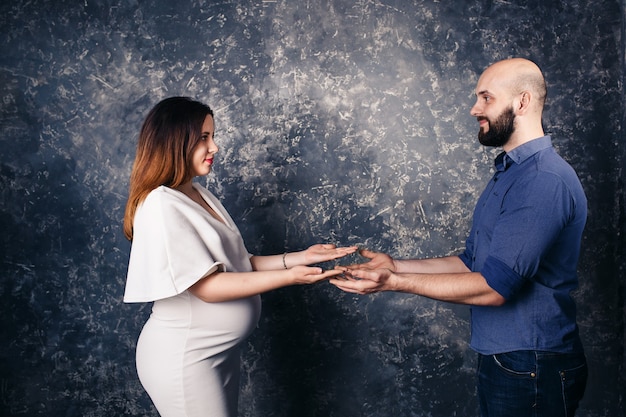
<point x="518" y="75"/>
<point x="514" y="88"/>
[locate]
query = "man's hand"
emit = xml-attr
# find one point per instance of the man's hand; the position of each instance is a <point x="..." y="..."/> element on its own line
<point x="363" y="281"/>
<point x="377" y="260"/>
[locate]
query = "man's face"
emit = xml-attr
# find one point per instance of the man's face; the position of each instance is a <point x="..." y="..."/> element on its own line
<point x="497" y="132"/>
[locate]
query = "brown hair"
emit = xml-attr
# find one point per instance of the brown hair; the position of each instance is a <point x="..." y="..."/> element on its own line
<point x="168" y="135"/>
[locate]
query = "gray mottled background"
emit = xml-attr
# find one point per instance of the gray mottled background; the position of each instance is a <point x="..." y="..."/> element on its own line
<point x="338" y="121"/>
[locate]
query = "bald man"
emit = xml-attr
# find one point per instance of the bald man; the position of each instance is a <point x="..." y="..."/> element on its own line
<point x="519" y="265"/>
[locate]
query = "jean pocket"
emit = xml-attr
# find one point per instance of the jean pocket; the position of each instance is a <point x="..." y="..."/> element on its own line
<point x="521" y="364"/>
<point x="573" y="383"/>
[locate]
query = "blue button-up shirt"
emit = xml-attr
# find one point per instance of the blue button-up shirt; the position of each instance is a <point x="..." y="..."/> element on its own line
<point x="525" y="240"/>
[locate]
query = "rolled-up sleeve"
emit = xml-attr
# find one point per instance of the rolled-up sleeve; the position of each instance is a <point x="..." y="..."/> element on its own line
<point x="499" y="276"/>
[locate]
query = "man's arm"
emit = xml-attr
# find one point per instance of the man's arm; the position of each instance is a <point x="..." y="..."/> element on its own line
<point x="444" y="279"/>
<point x="447" y="264"/>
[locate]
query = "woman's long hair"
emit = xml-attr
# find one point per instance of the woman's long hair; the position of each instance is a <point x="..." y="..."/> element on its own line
<point x="168" y="135"/>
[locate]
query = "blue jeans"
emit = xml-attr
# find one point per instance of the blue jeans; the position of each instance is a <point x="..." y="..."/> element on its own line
<point x="531" y="384"/>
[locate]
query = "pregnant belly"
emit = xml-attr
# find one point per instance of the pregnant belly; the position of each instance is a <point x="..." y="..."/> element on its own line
<point x="205" y="329"/>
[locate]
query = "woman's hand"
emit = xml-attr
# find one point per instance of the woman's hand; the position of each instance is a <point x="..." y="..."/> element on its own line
<point x="326" y="252"/>
<point x="310" y="275"/>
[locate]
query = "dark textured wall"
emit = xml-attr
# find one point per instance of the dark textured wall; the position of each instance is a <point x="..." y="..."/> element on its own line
<point x="338" y="121"/>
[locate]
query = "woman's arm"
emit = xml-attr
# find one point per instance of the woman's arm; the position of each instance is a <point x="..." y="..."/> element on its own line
<point x="270" y="273"/>
<point x="228" y="286"/>
<point x="312" y="255"/>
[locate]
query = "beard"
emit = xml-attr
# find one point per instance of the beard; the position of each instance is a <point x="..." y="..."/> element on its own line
<point x="500" y="130"/>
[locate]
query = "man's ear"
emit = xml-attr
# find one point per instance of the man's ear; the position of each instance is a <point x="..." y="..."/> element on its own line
<point x="523" y="104"/>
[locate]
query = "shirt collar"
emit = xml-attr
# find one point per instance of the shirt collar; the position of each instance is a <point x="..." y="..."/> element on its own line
<point x="522" y="152"/>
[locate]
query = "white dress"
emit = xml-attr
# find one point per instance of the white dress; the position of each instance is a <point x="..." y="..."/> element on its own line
<point x="188" y="351"/>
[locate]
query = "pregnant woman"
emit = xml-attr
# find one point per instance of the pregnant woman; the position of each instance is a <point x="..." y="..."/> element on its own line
<point x="188" y="257"/>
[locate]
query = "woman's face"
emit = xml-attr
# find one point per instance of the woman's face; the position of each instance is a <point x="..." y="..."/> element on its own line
<point x="205" y="150"/>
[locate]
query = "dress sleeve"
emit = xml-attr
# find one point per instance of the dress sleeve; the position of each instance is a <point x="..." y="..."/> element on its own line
<point x="171" y="249"/>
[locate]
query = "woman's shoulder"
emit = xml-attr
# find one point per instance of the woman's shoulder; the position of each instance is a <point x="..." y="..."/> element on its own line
<point x="158" y="198"/>
<point x="162" y="193"/>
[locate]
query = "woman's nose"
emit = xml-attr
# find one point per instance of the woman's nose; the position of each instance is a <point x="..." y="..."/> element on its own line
<point x="213" y="148"/>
